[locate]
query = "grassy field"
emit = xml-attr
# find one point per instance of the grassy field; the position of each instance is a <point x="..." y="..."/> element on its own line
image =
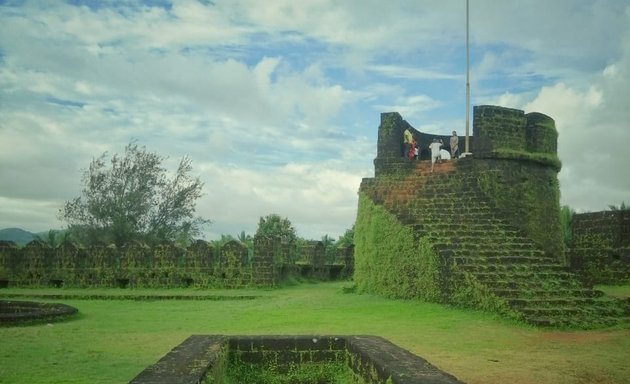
<point x="113" y="340"/>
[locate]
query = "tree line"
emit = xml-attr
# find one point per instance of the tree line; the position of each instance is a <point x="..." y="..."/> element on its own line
<point x="131" y="197"/>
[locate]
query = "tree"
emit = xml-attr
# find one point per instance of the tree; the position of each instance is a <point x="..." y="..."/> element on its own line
<point x="133" y="199"/>
<point x="54" y="238"/>
<point x="275" y="226"/>
<point x="347" y="238"/>
<point x="330" y="248"/>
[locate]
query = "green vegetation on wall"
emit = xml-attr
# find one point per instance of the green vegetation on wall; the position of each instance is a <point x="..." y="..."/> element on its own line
<point x="548" y="159"/>
<point x="389" y="260"/>
<point x="566" y="218"/>
<point x="537" y="192"/>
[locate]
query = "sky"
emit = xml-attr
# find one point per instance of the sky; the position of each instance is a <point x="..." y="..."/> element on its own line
<point x="277" y="103"/>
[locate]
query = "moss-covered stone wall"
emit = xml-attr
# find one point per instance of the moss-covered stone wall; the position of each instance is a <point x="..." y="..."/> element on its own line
<point x="166" y="265"/>
<point x="600" y="249"/>
<point x="528" y="195"/>
<point x="605" y="229"/>
<point x="497" y="128"/>
<point x="390" y="259"/>
<point x="517" y="167"/>
<point x="514" y="166"/>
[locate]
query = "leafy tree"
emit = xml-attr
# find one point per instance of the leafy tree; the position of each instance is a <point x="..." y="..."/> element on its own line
<point x="133" y="199"/>
<point x="275" y="226"/>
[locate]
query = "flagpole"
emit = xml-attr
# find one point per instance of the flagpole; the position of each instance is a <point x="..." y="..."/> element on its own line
<point x="467" y="83"/>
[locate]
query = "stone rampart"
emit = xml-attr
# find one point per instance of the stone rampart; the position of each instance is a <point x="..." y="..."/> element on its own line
<point x="600" y="249"/>
<point x="165" y="265"/>
<point x="514" y="160"/>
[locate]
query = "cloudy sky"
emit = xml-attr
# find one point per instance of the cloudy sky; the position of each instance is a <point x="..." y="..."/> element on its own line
<point x="278" y="102"/>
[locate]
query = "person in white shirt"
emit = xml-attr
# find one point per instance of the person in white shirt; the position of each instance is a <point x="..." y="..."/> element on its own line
<point x="435" y="151"/>
<point x="454" y="145"/>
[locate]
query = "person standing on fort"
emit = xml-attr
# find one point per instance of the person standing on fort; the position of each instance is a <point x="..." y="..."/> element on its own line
<point x="412" y="149"/>
<point x="407" y="141"/>
<point x="454" y="145"/>
<point x="435" y="147"/>
<point x="416" y="149"/>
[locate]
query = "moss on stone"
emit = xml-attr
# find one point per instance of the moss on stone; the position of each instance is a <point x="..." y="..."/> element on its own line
<point x="389" y="259"/>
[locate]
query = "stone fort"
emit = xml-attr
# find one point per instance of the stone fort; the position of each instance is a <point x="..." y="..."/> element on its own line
<point x="481" y="231"/>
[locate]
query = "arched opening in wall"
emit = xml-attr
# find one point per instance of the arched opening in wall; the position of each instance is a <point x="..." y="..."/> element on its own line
<point x="284" y="271"/>
<point x="306" y="270"/>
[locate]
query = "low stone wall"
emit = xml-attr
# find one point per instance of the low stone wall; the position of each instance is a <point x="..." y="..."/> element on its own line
<point x="136" y="265"/>
<point x="600" y="251"/>
<point x="203" y="358"/>
<point x="601" y="265"/>
<point x="605" y="229"/>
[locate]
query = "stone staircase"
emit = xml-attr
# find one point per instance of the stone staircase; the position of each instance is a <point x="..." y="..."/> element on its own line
<point x="481" y="248"/>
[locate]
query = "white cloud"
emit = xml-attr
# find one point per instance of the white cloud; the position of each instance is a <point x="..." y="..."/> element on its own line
<point x="308" y="195"/>
<point x="278" y="103"/>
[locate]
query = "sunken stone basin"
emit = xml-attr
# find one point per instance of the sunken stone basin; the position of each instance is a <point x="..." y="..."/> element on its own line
<point x="354" y="359"/>
<point x="29" y="312"/>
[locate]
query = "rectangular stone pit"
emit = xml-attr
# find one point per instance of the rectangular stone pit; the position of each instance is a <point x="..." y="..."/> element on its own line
<point x="370" y="359"/>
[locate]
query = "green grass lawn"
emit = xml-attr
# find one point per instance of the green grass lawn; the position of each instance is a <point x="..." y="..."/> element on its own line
<point x="113" y="340"/>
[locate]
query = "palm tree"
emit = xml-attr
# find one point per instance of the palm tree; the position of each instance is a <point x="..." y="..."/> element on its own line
<point x="248" y="241"/>
<point x="330" y="248"/>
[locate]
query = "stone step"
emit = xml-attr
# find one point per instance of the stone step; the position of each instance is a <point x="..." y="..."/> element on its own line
<point x="550" y="302"/>
<point x="585" y="311"/>
<point x="533" y="284"/>
<point x="560" y="321"/>
<point x="535" y="291"/>
<point x="518" y="276"/>
<point x="462" y="218"/>
<point x="495" y="253"/>
<point x="480" y="241"/>
<point x="511" y="268"/>
<point x="479" y="245"/>
<point x="460" y="226"/>
<point x="505" y="260"/>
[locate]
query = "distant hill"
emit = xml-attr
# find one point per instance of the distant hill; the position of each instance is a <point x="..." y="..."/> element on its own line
<point x="16" y="235"/>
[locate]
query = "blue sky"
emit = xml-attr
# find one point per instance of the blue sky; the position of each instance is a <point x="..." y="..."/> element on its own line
<point x="278" y="103"/>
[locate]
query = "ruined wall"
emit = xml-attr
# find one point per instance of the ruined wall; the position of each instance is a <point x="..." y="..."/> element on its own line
<point x="606" y="229"/>
<point x="166" y="265"/>
<point x="600" y="249"/>
<point x="515" y="160"/>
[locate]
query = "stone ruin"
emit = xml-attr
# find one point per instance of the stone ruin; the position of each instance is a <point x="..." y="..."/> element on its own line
<point x="600" y="247"/>
<point x="167" y="265"/>
<point x="481" y="231"/>
<point x="368" y="359"/>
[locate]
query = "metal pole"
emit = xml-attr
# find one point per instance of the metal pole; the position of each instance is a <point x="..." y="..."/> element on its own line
<point x="467" y="84"/>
